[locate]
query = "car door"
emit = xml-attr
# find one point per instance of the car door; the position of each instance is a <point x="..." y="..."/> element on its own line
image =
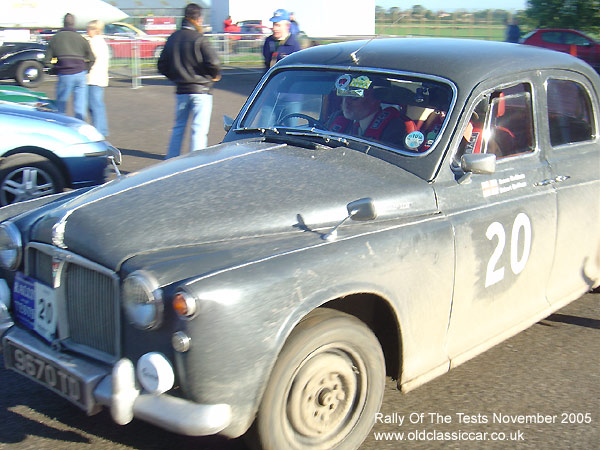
<point x="504" y="222"/>
<point x="570" y="136"/>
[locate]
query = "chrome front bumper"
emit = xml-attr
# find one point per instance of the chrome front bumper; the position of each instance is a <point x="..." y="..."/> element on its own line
<point x="116" y="388"/>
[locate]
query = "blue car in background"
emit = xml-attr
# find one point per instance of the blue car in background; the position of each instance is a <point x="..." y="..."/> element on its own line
<point x="43" y="152"/>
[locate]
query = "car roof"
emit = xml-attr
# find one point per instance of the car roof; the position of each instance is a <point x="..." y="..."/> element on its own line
<point x="466" y="62"/>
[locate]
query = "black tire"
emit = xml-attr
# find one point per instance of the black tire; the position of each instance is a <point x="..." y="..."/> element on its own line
<point x="29" y="73"/>
<point x="326" y="386"/>
<point x="26" y="176"/>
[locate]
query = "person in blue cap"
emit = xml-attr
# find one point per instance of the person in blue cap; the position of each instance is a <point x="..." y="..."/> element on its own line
<point x="281" y="43"/>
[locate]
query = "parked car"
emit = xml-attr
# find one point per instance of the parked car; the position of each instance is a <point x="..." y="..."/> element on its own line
<point x="44" y="152"/>
<point x="274" y="280"/>
<point x="125" y="39"/>
<point x="253" y="29"/>
<point x="568" y="41"/>
<point x="22" y="61"/>
<point x="24" y="96"/>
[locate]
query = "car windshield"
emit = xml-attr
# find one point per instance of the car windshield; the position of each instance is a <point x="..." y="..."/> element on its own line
<point x="403" y="113"/>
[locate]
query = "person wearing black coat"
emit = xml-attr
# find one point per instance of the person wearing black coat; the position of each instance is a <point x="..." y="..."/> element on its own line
<point x="189" y="61"/>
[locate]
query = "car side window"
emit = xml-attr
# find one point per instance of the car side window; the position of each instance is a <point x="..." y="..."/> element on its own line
<point x="570" y="114"/>
<point x="553" y="37"/>
<point x="511" y="122"/>
<point x="501" y="123"/>
<point x="575" y="39"/>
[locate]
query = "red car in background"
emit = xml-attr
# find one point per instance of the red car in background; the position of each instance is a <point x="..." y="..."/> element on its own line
<point x="567" y="41"/>
<point x="123" y="38"/>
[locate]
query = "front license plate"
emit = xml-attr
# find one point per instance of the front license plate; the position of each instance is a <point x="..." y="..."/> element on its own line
<point x="46" y="373"/>
<point x="35" y="306"/>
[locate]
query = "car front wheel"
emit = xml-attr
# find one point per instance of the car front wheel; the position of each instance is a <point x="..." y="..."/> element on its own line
<point x="29" y="73"/>
<point x="28" y="176"/>
<point x="326" y="386"/>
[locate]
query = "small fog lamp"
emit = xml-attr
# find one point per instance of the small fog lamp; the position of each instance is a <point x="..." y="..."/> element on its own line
<point x="155" y="373"/>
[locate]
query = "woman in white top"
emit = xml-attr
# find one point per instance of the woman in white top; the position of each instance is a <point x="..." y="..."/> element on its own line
<point x="98" y="76"/>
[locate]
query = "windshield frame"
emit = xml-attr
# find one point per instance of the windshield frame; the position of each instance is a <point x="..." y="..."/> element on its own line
<point x="243" y="115"/>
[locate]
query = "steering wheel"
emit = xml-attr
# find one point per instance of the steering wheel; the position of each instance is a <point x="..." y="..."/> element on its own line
<point x="311" y="121"/>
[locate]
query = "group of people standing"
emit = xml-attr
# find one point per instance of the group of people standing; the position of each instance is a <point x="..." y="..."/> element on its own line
<point x="82" y="68"/>
<point x="190" y="62"/>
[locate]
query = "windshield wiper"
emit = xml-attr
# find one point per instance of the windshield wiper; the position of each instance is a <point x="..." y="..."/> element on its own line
<point x="331" y="141"/>
<point x="261" y="130"/>
<point x="310" y="138"/>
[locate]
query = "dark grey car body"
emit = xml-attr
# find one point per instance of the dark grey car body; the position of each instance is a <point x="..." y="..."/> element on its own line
<point x="22" y="61"/>
<point x="446" y="269"/>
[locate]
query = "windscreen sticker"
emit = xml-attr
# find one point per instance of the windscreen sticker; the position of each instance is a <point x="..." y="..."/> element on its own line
<point x="342" y="83"/>
<point x="414" y="140"/>
<point x="502" y="185"/>
<point x="361" y="82"/>
<point x="347" y="87"/>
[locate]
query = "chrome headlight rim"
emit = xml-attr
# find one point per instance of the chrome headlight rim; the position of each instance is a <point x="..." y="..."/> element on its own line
<point x="142" y="300"/>
<point x="11" y="231"/>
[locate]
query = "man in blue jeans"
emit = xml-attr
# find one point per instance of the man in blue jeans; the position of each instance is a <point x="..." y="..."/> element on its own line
<point x="74" y="57"/>
<point x="189" y="61"/>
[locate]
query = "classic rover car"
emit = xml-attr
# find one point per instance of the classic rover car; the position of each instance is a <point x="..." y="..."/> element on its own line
<point x="386" y="207"/>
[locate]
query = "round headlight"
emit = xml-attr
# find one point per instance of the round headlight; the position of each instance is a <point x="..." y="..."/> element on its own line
<point x="142" y="300"/>
<point x="11" y="246"/>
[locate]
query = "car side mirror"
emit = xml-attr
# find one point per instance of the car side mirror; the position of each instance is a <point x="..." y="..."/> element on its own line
<point x="483" y="163"/>
<point x="227" y="123"/>
<point x="362" y="210"/>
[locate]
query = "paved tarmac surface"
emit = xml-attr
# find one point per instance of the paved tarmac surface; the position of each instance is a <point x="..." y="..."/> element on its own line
<point x="550" y="369"/>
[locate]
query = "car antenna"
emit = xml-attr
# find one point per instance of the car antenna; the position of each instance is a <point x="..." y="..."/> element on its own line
<point x="353" y="54"/>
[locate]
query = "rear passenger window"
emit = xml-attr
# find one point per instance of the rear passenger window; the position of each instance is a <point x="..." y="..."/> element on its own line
<point x="570" y="114"/>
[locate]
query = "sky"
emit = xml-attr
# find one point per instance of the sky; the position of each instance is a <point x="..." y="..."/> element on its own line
<point x="451" y="5"/>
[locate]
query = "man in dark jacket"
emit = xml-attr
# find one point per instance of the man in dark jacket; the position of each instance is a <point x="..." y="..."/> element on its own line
<point x="282" y="42"/>
<point x="74" y="58"/>
<point x="189" y="61"/>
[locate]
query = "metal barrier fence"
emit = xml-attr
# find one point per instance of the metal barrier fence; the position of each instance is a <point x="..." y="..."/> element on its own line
<point x="136" y="58"/>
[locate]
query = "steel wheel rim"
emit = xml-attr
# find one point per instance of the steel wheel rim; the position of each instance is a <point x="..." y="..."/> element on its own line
<point x="31" y="74"/>
<point x="326" y="396"/>
<point x="26" y="183"/>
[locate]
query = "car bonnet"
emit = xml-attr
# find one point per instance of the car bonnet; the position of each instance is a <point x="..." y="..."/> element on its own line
<point x="231" y="191"/>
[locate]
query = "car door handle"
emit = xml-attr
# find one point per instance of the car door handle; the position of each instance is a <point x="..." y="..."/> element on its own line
<point x="557" y="179"/>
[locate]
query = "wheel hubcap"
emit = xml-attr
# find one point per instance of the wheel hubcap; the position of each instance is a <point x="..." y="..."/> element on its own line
<point x="324" y="395"/>
<point x="31" y="73"/>
<point x="26" y="183"/>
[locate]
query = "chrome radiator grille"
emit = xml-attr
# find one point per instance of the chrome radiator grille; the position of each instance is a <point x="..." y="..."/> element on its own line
<point x="87" y="296"/>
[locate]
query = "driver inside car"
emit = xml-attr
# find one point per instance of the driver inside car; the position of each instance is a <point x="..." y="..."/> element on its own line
<point x="362" y="113"/>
